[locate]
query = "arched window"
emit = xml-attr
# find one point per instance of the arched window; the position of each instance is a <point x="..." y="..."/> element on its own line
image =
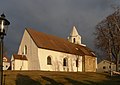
<point x="77" y="63"/>
<point x="73" y="40"/>
<point x="25" y="50"/>
<point x="65" y="62"/>
<point x="49" y="60"/>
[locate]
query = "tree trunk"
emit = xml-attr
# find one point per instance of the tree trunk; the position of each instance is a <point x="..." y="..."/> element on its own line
<point x="117" y="64"/>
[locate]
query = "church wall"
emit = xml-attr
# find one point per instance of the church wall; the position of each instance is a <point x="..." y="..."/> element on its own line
<point x="20" y="65"/>
<point x="17" y="64"/>
<point x="90" y="64"/>
<point x="32" y="51"/>
<point x="12" y="63"/>
<point x="24" y="65"/>
<point x="57" y="61"/>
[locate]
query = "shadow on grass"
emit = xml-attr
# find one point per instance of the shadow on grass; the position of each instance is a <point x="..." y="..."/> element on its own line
<point x="51" y="81"/>
<point x="74" y="82"/>
<point x="114" y="80"/>
<point x="88" y="82"/>
<point x="26" y="80"/>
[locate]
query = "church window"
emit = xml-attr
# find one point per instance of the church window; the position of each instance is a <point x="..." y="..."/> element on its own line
<point x="65" y="62"/>
<point x="49" y="60"/>
<point x="73" y="40"/>
<point x="25" y="50"/>
<point x="77" y="63"/>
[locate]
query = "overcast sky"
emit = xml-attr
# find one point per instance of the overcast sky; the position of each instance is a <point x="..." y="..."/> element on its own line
<point x="55" y="17"/>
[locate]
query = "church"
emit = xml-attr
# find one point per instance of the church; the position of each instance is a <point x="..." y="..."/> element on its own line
<point x="41" y="51"/>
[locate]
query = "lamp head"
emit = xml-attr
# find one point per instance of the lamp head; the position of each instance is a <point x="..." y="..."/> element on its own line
<point x="4" y="23"/>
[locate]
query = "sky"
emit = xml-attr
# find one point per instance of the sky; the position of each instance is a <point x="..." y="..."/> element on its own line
<point x="55" y="17"/>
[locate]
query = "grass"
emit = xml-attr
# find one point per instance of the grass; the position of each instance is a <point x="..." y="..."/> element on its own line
<point x="58" y="78"/>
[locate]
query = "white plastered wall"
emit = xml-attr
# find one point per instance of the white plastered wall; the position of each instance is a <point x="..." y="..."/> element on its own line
<point x="20" y="65"/>
<point x="32" y="51"/>
<point x="57" y="61"/>
<point x="17" y="64"/>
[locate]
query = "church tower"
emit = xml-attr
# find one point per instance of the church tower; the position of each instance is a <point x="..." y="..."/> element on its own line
<point x="74" y="36"/>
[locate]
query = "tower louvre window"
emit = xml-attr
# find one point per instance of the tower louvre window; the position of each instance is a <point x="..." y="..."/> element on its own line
<point x="73" y="40"/>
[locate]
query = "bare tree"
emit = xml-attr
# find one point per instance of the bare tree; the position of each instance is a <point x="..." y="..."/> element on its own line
<point x="108" y="36"/>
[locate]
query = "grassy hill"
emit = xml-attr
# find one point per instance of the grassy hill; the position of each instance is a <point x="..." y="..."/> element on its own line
<point x="58" y="78"/>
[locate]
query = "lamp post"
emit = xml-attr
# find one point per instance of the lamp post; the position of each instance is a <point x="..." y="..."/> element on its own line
<point x="3" y="29"/>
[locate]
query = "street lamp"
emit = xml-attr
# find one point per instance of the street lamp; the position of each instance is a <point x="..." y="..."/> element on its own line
<point x="3" y="29"/>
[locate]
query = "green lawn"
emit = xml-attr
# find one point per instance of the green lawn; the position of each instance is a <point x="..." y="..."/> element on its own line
<point x="58" y="78"/>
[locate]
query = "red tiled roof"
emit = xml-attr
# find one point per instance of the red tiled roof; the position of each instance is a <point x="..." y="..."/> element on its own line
<point x="86" y="50"/>
<point x="20" y="57"/>
<point x="6" y="59"/>
<point x="51" y="42"/>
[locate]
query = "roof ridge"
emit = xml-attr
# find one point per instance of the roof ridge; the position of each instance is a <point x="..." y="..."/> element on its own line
<point x="51" y="42"/>
<point x="46" y="33"/>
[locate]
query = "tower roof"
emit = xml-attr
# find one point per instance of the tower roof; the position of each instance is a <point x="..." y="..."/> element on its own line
<point x="74" y="32"/>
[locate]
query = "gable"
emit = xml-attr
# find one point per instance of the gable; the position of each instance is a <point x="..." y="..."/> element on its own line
<point x="51" y="42"/>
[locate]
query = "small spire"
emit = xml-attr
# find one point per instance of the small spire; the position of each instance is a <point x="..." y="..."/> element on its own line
<point x="74" y="36"/>
<point x="74" y="31"/>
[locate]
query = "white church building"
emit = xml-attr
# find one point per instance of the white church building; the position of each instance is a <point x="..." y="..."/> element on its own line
<point x="40" y="51"/>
